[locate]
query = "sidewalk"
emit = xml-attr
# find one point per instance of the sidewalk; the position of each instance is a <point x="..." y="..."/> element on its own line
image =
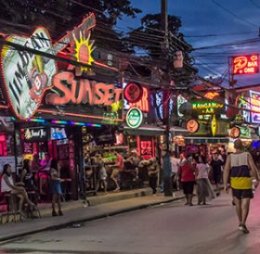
<point x="76" y="212"/>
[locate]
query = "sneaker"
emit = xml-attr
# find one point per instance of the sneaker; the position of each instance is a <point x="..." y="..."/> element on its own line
<point x="60" y="213"/>
<point x="243" y="228"/>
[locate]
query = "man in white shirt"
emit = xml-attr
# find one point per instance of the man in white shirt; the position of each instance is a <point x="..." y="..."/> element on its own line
<point x="175" y="163"/>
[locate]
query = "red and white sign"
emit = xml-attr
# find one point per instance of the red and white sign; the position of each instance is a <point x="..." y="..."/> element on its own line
<point x="143" y="103"/>
<point x="246" y="64"/>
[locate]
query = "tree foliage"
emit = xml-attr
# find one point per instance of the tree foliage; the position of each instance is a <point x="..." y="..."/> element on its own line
<point x="59" y="16"/>
<point x="151" y="38"/>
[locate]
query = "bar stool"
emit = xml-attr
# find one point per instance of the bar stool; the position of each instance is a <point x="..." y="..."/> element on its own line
<point x="11" y="201"/>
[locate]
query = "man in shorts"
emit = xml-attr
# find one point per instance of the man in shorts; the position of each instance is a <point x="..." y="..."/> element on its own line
<point x="240" y="168"/>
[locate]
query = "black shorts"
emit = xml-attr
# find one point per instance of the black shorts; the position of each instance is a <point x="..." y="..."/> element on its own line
<point x="239" y="194"/>
<point x="217" y="178"/>
<point x="188" y="187"/>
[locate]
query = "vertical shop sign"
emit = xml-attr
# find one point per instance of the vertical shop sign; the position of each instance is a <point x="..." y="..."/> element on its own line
<point x="146" y="149"/>
<point x="255" y="106"/>
<point x="180" y="100"/>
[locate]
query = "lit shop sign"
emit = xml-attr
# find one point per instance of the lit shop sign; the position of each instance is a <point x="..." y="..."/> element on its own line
<point x="245" y="132"/>
<point x="134" y="118"/>
<point x="211" y="95"/>
<point x="81" y="91"/>
<point x="234" y="132"/>
<point x="58" y="133"/>
<point x="254" y="106"/>
<point x="133" y="92"/>
<point x="247" y="64"/>
<point x="244" y="106"/>
<point x="192" y="125"/>
<point x="35" y="134"/>
<point x="143" y="103"/>
<point x="180" y="100"/>
<point x="27" y="76"/>
<point x="207" y="107"/>
<point x="146" y="149"/>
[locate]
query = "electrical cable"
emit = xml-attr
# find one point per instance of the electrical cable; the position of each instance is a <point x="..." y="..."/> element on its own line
<point x="234" y="14"/>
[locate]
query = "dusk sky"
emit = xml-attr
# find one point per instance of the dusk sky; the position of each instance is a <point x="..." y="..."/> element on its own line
<point x="208" y="23"/>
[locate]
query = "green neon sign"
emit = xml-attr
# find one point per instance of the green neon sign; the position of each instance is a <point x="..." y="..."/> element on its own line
<point x="134" y="118"/>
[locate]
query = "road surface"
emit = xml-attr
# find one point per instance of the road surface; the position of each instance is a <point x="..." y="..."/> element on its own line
<point x="164" y="229"/>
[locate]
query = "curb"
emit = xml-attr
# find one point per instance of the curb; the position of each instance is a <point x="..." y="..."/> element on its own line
<point x="88" y="218"/>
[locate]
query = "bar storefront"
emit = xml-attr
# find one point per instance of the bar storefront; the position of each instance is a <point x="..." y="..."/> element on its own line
<point x="58" y="111"/>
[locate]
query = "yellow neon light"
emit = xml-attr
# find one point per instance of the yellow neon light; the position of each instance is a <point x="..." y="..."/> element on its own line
<point x="83" y="50"/>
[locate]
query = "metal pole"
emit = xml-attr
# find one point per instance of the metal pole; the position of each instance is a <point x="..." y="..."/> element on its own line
<point x="167" y="185"/>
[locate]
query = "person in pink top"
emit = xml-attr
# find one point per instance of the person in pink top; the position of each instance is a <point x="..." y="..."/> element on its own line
<point x="201" y="173"/>
<point x="187" y="176"/>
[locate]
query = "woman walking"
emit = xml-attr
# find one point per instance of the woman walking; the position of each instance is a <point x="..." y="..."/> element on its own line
<point x="201" y="173"/>
<point x="56" y="187"/>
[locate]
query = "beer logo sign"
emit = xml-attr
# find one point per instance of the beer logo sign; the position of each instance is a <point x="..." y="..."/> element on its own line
<point x="134" y="117"/>
<point x="27" y="76"/>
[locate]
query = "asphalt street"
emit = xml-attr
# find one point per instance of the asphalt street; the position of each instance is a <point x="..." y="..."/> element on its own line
<point x="164" y="229"/>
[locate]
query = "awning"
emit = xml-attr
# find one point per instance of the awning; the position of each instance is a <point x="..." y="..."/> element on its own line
<point x="203" y="140"/>
<point x="149" y="130"/>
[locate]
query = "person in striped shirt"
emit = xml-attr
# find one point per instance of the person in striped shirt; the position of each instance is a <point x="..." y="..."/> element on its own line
<point x="241" y="170"/>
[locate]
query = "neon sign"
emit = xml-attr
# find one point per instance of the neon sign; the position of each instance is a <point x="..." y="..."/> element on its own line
<point x="211" y="95"/>
<point x="82" y="91"/>
<point x="146" y="149"/>
<point x="134" y="118"/>
<point x="143" y="103"/>
<point x="35" y="134"/>
<point x="207" y="107"/>
<point x="247" y="64"/>
<point x="28" y="76"/>
<point x="255" y="106"/>
<point x="133" y="92"/>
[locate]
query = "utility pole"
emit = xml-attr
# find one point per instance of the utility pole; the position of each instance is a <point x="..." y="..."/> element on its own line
<point x="167" y="186"/>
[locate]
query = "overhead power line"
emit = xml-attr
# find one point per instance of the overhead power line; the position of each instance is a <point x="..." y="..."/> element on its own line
<point x="234" y="14"/>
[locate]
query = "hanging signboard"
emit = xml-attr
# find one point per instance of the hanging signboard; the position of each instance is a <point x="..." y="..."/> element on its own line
<point x="28" y="76"/>
<point x="246" y="64"/>
<point x="34" y="134"/>
<point x="254" y="106"/>
<point x="143" y="104"/>
<point x="133" y="92"/>
<point x="234" y="132"/>
<point x="207" y="107"/>
<point x="58" y="133"/>
<point x="245" y="132"/>
<point x="192" y="125"/>
<point x="134" y="118"/>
